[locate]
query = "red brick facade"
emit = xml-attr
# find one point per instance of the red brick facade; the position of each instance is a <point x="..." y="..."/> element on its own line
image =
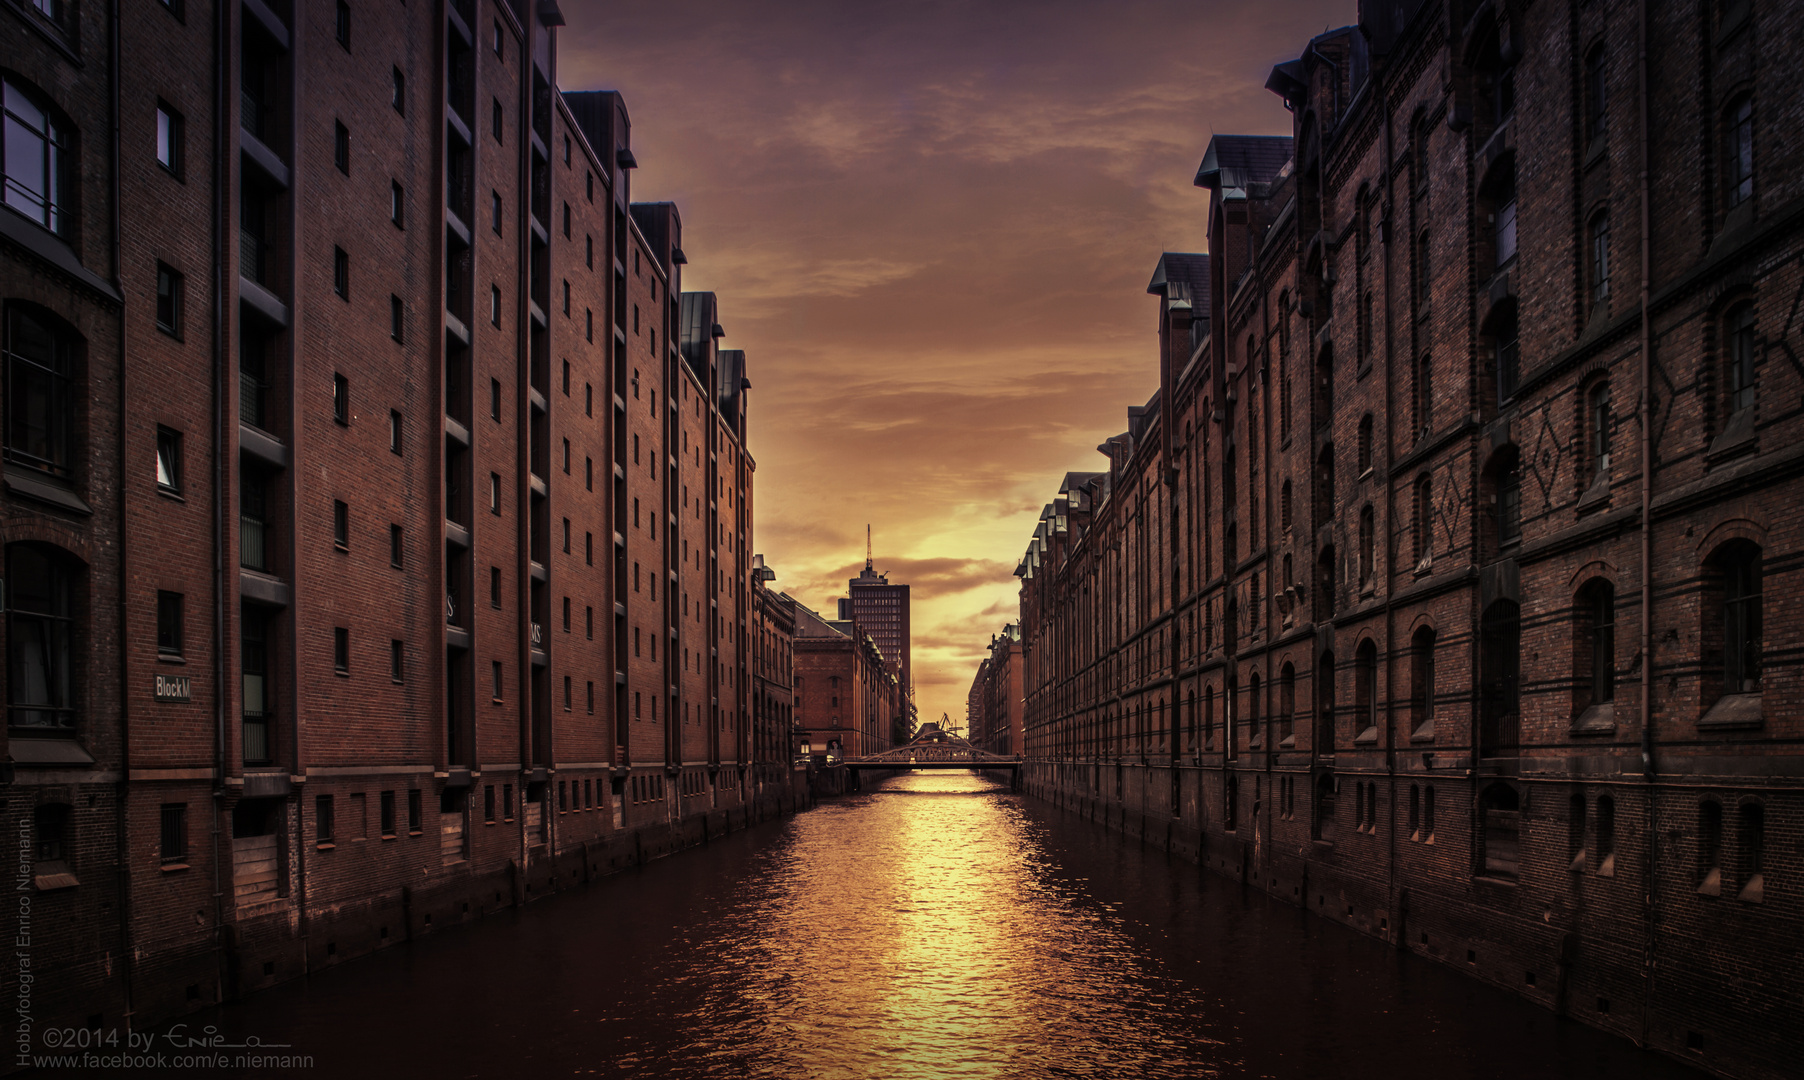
<point x="1379" y="605"/>
<point x="377" y="509"/>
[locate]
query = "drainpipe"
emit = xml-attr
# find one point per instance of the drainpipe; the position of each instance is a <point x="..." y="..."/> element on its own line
<point x="1390" y="611"/>
<point x="120" y="788"/>
<point x="1645" y="408"/>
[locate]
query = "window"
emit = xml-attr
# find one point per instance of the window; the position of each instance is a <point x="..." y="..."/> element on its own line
<point x="54" y="846"/>
<point x="341" y="273"/>
<point x="1424" y="396"/>
<point x="1365" y="444"/>
<point x="397" y="201"/>
<point x="1738" y="155"/>
<point x="1423" y="526"/>
<point x="414" y="817"/>
<point x="589" y="324"/>
<point x="1739" y="565"/>
<point x="495" y="212"/>
<point x="1509" y="502"/>
<point x="495" y="307"/>
<point x="395" y="318"/>
<point x="40" y="404"/>
<point x="498" y="38"/>
<point x="1504" y="236"/>
<point x="495" y="399"/>
<point x="341" y="398"/>
<point x="589" y="251"/>
<point x="1500" y="657"/>
<point x="322" y="820"/>
<point x="1509" y="360"/>
<point x="1324" y="807"/>
<point x="170" y="139"/>
<point x="169" y="624"/>
<point x="397" y="668"/>
<point x="341" y="650"/>
<point x="169" y="461"/>
<point x="258" y="686"/>
<point x="495" y="586"/>
<point x="1599" y="261"/>
<point x="174" y="846"/>
<point x="387" y="813"/>
<point x="1738" y="339"/>
<point x="499" y="685"/>
<point x="341" y="28"/>
<point x="497" y="120"/>
<point x="495" y="494"/>
<point x="1606" y="835"/>
<point x="1287" y="705"/>
<point x="1751" y="836"/>
<point x="589" y="548"/>
<point x="1501" y="820"/>
<point x="1367" y="544"/>
<point x="1596" y="100"/>
<point x="1597" y="656"/>
<point x="395" y="550"/>
<point x="40" y="687"/>
<point x="1424" y="283"/>
<point x="566" y="221"/>
<point x="1428" y="814"/>
<point x="399" y="98"/>
<point x="394" y="431"/>
<point x="35" y="157"/>
<point x="1599" y="421"/>
<point x="1284" y="507"/>
<point x="566" y="155"/>
<point x="1710" y="848"/>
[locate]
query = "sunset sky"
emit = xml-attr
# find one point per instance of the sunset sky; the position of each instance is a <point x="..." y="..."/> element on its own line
<point x="930" y="226"/>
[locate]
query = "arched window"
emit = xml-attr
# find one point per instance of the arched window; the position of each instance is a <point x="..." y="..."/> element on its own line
<point x="1423" y="525"/>
<point x="1424" y="275"/>
<point x="1594" y="646"/>
<point x="1500" y="647"/>
<point x="1421" y="683"/>
<point x="41" y="684"/>
<point x="40" y="359"/>
<point x="1365" y="692"/>
<point x="1710" y="848"/>
<point x="1598" y="260"/>
<point x="1324" y="386"/>
<point x="1365" y="444"/>
<point x="1738" y="568"/>
<point x="1599" y="422"/>
<point x="35" y="157"/>
<point x="1324" y="584"/>
<point x="1501" y="819"/>
<point x="1606" y="835"/>
<point x="1365" y="327"/>
<point x="1284" y="506"/>
<point x="1209" y="717"/>
<point x="1324" y="704"/>
<point x="1424" y="395"/>
<point x="1506" y="498"/>
<point x="1738" y="342"/>
<point x="1367" y="544"/>
<point x="1191" y="718"/>
<point x="1597" y="101"/>
<point x="1287" y="705"/>
<point x="1738" y="152"/>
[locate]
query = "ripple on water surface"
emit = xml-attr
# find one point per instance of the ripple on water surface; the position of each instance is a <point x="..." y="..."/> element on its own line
<point x="936" y="926"/>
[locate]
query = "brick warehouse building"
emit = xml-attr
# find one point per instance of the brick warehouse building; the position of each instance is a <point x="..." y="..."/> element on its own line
<point x="846" y="695"/>
<point x="995" y="717"/>
<point x="1443" y="587"/>
<point x="345" y="522"/>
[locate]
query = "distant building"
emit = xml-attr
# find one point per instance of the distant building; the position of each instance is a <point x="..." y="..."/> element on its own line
<point x="845" y="694"/>
<point x="882" y="610"/>
<point x="996" y="703"/>
<point x="773" y="631"/>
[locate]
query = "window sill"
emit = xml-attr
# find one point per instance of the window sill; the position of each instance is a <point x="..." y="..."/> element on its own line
<point x="170" y="868"/>
<point x="54" y="876"/>
<point x="1595" y="152"/>
<point x="1596" y="720"/>
<point x="1712" y="884"/>
<point x="170" y="493"/>
<point x="413" y="832"/>
<point x="327" y="846"/>
<point x="21" y="481"/>
<point x="1737" y="438"/>
<point x="1733" y="712"/>
<point x="1368" y="737"/>
<point x="1754" y="892"/>
<point x="1423" y="734"/>
<point x="1597" y="495"/>
<point x="171" y="658"/>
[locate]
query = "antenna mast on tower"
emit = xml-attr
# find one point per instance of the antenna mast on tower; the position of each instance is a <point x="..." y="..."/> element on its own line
<point x="867" y="546"/>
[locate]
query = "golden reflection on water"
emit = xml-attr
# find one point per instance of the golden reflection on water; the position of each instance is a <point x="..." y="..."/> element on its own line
<point x="933" y="944"/>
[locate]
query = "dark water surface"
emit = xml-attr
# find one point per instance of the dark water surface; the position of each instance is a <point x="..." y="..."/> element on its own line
<point x="935" y="927"/>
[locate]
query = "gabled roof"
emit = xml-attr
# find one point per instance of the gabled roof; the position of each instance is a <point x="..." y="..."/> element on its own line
<point x="1234" y="161"/>
<point x="1181" y="267"/>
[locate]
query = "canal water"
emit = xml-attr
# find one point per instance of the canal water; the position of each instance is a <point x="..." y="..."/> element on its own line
<point x="936" y="926"/>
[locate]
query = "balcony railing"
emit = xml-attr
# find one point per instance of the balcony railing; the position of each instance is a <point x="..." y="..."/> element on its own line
<point x="250" y="399"/>
<point x="256" y="738"/>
